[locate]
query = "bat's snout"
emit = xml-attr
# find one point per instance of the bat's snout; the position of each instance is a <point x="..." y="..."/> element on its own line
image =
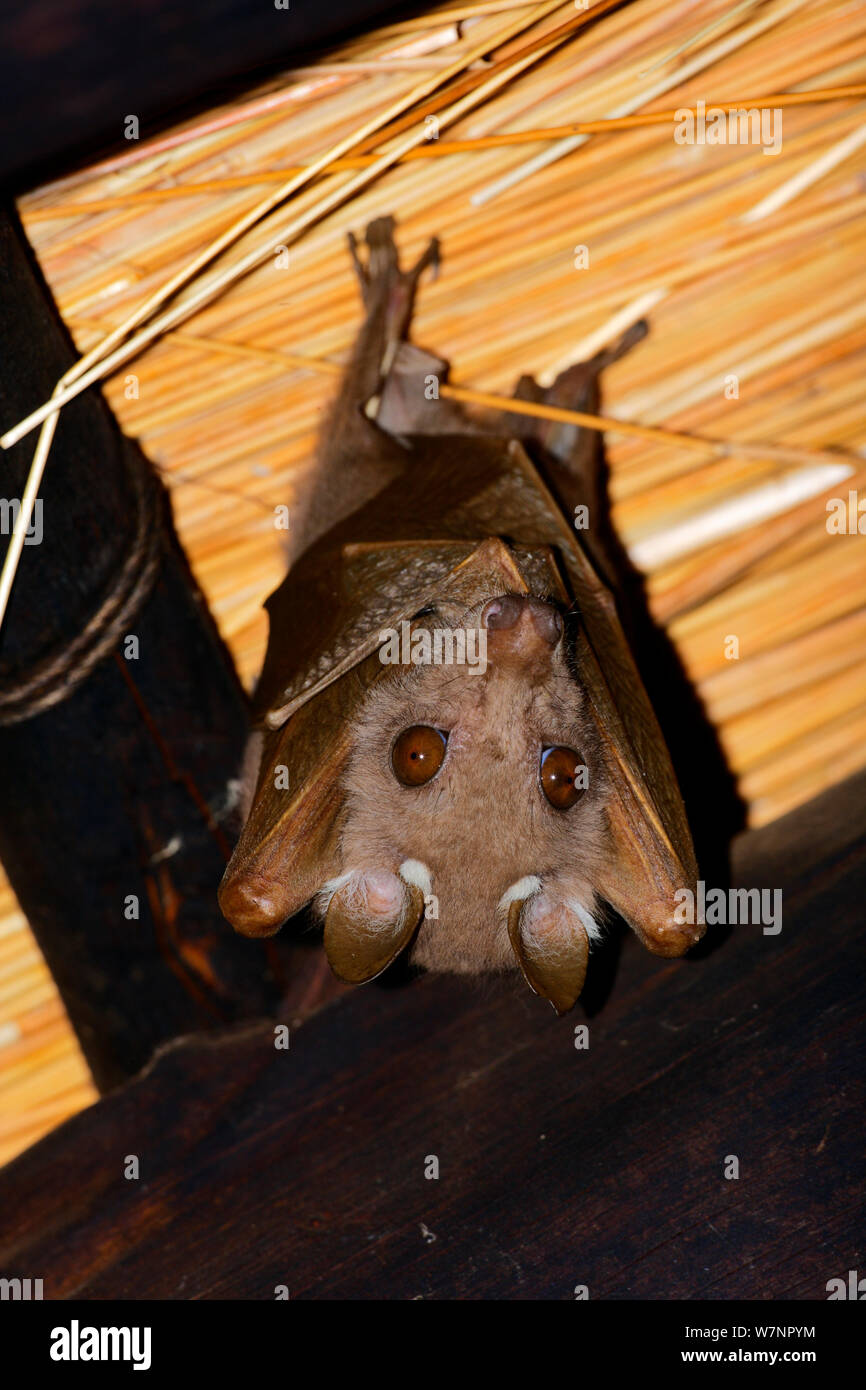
<point x="520" y="627"/>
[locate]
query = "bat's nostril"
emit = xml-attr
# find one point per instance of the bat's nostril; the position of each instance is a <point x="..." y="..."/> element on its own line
<point x="502" y="612"/>
<point x="548" y="622"/>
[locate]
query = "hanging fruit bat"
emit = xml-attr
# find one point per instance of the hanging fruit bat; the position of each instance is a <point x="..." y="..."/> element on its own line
<point x="456" y="757"/>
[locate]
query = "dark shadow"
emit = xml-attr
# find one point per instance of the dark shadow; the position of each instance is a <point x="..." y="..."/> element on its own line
<point x="604" y="962"/>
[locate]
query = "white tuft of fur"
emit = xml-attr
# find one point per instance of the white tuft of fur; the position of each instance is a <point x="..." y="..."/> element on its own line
<point x="523" y="888"/>
<point x="327" y="891"/>
<point x="413" y="872"/>
<point x="590" y="925"/>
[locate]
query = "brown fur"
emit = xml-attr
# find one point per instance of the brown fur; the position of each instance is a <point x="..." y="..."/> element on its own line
<point x="483" y="822"/>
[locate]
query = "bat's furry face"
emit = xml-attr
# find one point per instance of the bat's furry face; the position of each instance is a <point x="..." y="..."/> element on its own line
<point x="481" y="785"/>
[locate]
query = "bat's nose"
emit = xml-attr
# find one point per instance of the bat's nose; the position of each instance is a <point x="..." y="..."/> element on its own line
<point x="521" y="625"/>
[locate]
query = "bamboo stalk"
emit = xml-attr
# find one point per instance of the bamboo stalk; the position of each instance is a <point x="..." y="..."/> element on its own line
<point x="83" y="374"/>
<point x="805" y="661"/>
<point x="443" y="148"/>
<point x="80" y="376"/>
<point x="833" y="462"/>
<point x="804" y="178"/>
<point x="721" y="49"/>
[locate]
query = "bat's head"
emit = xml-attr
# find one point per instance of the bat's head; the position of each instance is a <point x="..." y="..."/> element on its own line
<point x="473" y="816"/>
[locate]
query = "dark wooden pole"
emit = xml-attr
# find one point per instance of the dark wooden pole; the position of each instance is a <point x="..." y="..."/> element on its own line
<point x="115" y="791"/>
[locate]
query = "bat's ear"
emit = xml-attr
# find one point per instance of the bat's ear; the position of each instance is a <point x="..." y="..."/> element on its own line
<point x="371" y="918"/>
<point x="551" y="943"/>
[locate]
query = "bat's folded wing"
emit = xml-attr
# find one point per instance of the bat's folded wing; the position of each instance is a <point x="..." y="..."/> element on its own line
<point x="651" y="853"/>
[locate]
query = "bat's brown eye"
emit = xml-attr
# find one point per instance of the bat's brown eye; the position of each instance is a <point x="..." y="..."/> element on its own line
<point x="563" y="777"/>
<point x="418" y="754"/>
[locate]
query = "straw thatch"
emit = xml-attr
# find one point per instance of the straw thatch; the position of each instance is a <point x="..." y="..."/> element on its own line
<point x="750" y="266"/>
